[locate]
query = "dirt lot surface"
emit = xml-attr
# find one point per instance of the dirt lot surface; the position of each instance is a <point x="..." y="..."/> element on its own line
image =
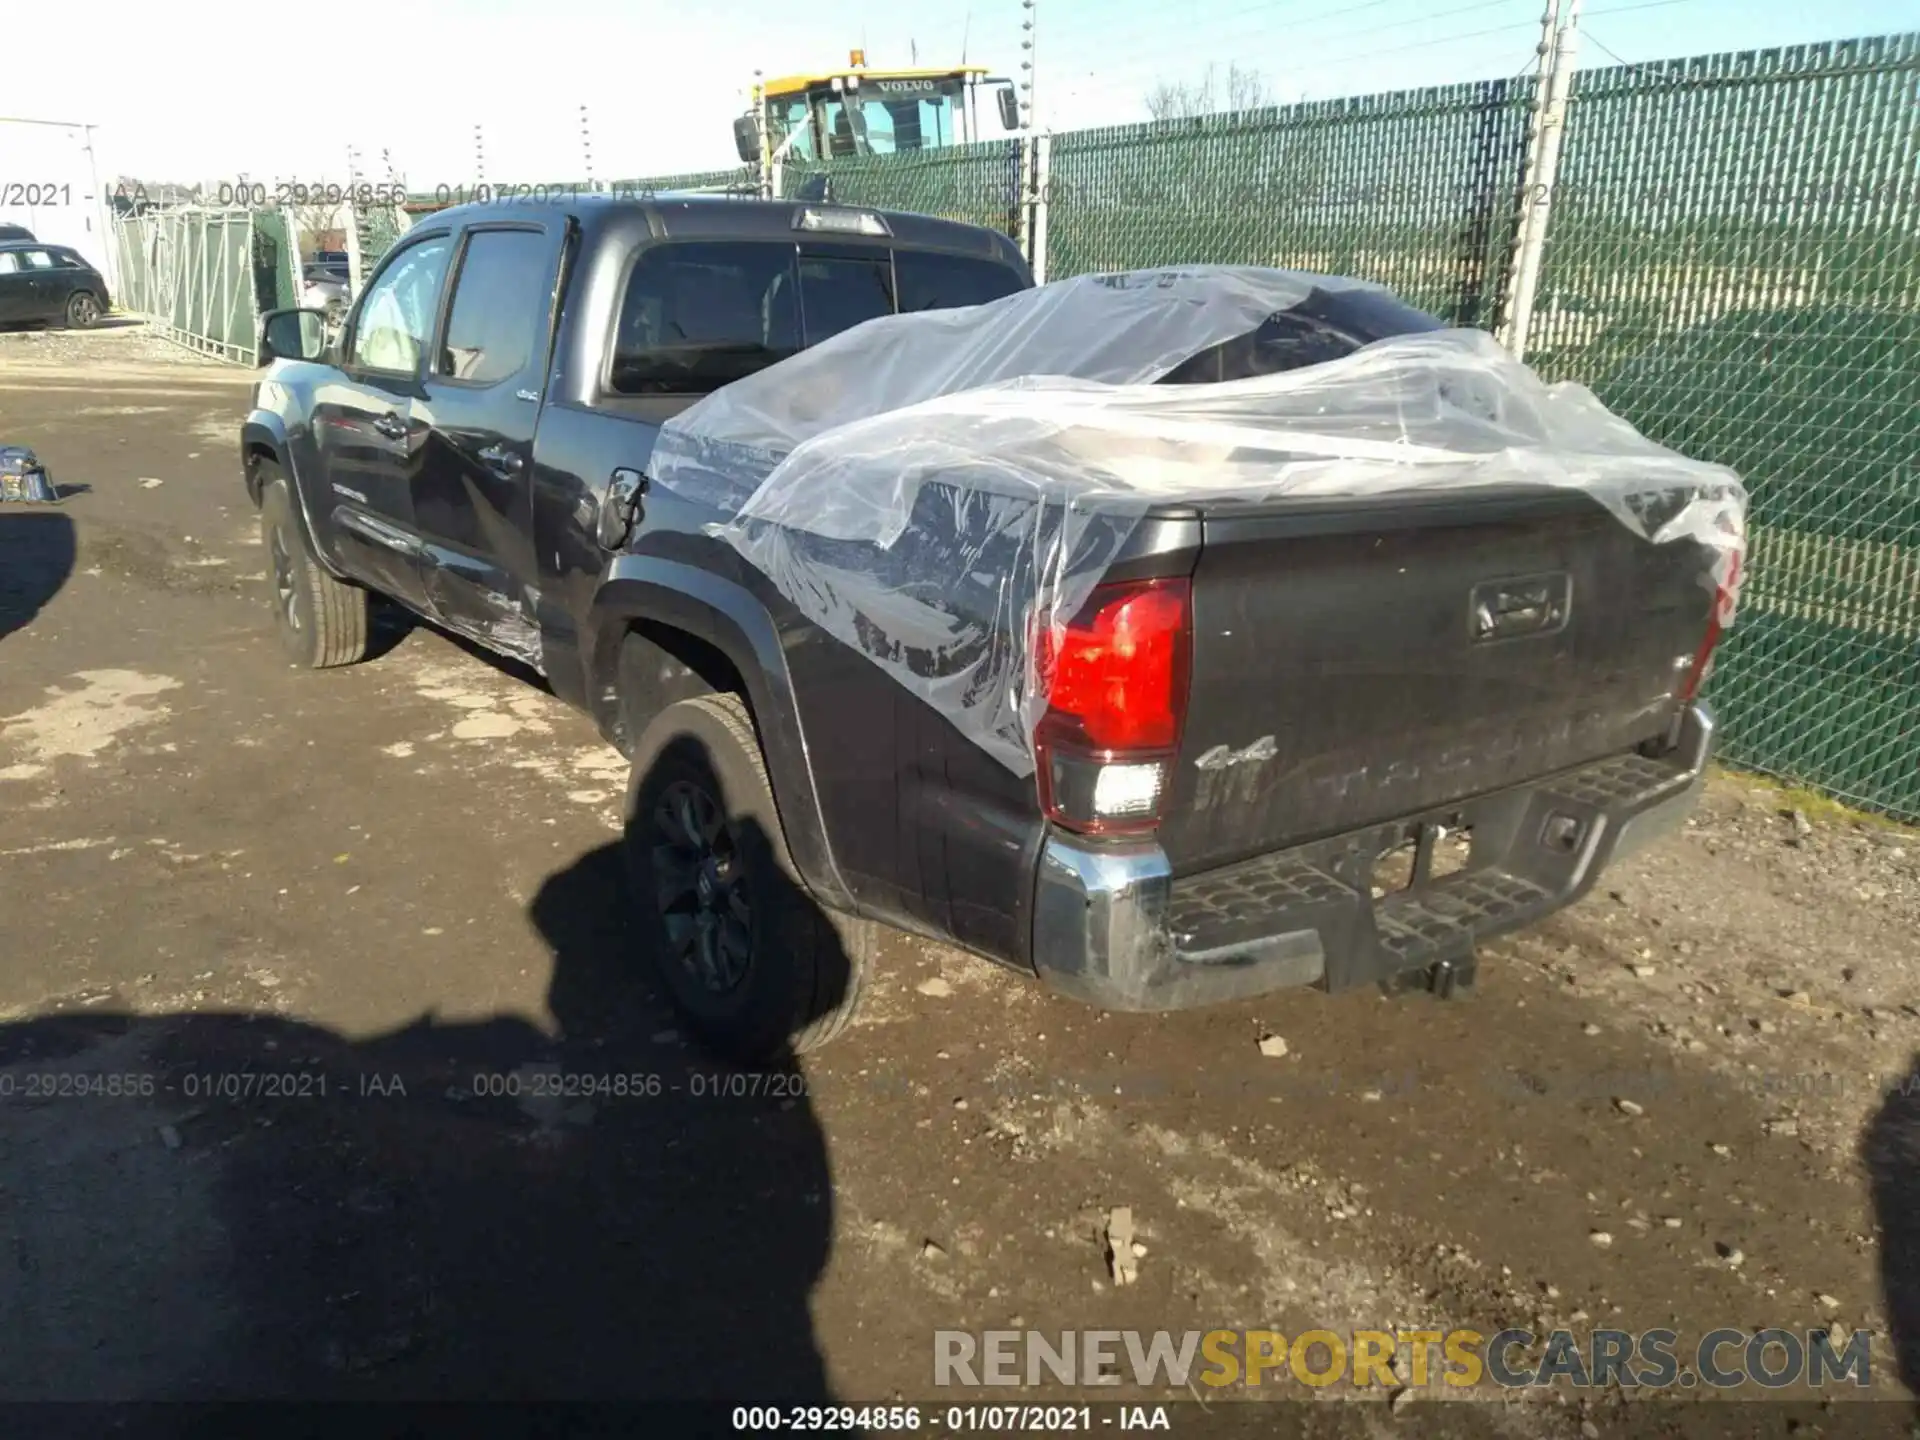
<point x="389" y="896"/>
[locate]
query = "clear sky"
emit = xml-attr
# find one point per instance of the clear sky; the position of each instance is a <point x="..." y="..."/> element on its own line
<point x="203" y="89"/>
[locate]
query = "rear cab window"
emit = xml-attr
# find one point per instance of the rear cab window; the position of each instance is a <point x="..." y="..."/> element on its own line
<point x="698" y="314"/>
<point x="1323" y="325"/>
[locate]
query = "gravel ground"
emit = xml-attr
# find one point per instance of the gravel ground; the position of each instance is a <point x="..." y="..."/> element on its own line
<point x="116" y="340"/>
<point x="398" y="881"/>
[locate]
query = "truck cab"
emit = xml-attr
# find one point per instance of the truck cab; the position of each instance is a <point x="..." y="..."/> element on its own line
<point x="841" y="114"/>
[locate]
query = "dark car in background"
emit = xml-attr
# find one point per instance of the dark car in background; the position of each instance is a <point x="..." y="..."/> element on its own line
<point x="49" y="283"/>
<point x="14" y="232"/>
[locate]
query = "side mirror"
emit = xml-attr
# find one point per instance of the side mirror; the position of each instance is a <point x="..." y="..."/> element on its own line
<point x="292" y="335"/>
<point x="746" y="139"/>
<point x="1009" y="108"/>
<point x="816" y="190"/>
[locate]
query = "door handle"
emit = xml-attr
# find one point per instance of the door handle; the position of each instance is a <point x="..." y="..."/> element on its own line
<point x="391" y="426"/>
<point x="502" y="460"/>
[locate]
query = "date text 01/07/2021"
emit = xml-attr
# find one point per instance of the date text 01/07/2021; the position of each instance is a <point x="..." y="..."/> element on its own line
<point x="916" y="1419"/>
<point x="31" y="192"/>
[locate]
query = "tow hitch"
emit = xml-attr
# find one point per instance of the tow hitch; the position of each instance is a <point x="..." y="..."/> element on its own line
<point x="1444" y="979"/>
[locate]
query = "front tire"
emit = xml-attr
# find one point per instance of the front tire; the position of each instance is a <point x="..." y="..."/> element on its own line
<point x="83" y="310"/>
<point x="755" y="967"/>
<point x="322" y="622"/>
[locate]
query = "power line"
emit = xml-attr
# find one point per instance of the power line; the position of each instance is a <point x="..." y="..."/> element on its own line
<point x="1616" y="56"/>
<point x="1647" y="5"/>
<point x="1190" y="32"/>
<point x="1192" y="36"/>
<point x="1111" y="72"/>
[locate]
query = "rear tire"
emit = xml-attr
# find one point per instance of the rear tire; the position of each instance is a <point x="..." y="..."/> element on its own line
<point x="322" y="622"/>
<point x="83" y="310"/>
<point x="755" y="967"/>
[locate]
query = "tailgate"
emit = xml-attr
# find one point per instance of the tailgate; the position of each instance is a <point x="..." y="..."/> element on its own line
<point x="1356" y="661"/>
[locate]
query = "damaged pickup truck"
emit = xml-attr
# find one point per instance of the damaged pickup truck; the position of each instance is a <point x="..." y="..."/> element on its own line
<point x="1173" y="636"/>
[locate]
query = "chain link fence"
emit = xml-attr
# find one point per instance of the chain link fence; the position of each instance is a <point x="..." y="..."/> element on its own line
<point x="1418" y="191"/>
<point x="978" y="184"/>
<point x="1732" y="263"/>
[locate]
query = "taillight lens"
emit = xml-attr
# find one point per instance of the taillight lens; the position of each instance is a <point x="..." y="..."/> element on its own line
<point x="1702" y="665"/>
<point x="1115" y="678"/>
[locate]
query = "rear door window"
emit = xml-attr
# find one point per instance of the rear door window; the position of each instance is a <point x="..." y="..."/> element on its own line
<point x="502" y="297"/>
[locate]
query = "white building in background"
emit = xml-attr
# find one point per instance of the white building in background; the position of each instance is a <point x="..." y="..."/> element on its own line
<point x="49" y="183"/>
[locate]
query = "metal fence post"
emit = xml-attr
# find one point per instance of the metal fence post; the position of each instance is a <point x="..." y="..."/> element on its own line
<point x="1530" y="171"/>
<point x="1037" y="225"/>
<point x="1543" y="166"/>
<point x="355" y="265"/>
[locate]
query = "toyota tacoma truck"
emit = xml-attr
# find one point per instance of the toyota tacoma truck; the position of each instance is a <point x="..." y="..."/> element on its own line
<point x="1382" y="729"/>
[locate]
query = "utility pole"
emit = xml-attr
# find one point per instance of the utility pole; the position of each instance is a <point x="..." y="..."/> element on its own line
<point x="1028" y="72"/>
<point x="102" y="212"/>
<point x="1033" y="220"/>
<point x="1560" y="40"/>
<point x="356" y="266"/>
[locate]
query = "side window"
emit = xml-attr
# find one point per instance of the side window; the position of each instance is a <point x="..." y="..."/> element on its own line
<point x="798" y="122"/>
<point x="9" y="262"/>
<point x="502" y="299"/>
<point x="67" y="260"/>
<point x="37" y="259"/>
<point x="396" y="321"/>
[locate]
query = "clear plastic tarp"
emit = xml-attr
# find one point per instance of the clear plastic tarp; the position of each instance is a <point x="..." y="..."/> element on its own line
<point x="929" y="487"/>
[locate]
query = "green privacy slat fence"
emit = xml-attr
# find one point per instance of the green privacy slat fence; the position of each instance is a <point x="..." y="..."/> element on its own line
<point x="978" y="184"/>
<point x="734" y="176"/>
<point x="192" y="274"/>
<point x="1733" y="263"/>
<point x="275" y="261"/>
<point x="1416" y="190"/>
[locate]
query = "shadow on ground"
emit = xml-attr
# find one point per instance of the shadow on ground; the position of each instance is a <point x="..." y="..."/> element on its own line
<point x="37" y="548"/>
<point x="464" y="1212"/>
<point x="1891" y="1152"/>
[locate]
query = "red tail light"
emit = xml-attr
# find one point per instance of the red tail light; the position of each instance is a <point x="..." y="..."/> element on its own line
<point x="1716" y="627"/>
<point x="1116" y="687"/>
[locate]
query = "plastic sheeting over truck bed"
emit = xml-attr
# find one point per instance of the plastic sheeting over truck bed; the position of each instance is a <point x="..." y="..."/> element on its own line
<point x="929" y="487"/>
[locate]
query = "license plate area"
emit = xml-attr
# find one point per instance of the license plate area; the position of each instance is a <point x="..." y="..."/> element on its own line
<point x="1424" y="853"/>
